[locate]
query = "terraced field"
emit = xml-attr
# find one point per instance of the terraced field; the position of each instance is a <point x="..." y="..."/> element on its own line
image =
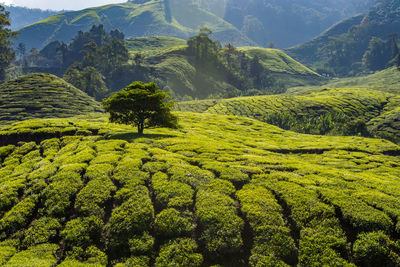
<point x="149" y="45"/>
<point x="387" y="80"/>
<point x="43" y="96"/>
<point x="324" y="111"/>
<point x="221" y="190"/>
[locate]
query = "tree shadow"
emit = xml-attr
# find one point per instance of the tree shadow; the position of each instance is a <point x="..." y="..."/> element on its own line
<point x="132" y="136"/>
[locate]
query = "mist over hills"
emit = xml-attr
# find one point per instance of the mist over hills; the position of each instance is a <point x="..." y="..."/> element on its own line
<point x="284" y="22"/>
<point x="341" y="50"/>
<point x="173" y="18"/>
<point x="256" y="22"/>
<point x="23" y="16"/>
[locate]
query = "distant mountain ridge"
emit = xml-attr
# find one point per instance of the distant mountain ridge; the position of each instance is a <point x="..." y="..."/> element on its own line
<point x="284" y="22"/>
<point x="172" y="18"/>
<point x="255" y="22"/>
<point x="23" y="16"/>
<point x="340" y="49"/>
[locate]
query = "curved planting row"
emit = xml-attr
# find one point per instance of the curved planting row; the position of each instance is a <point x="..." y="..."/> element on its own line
<point x="193" y="199"/>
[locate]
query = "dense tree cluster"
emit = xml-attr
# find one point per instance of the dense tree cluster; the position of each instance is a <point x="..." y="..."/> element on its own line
<point x="90" y="62"/>
<point x="6" y="35"/>
<point x="240" y="70"/>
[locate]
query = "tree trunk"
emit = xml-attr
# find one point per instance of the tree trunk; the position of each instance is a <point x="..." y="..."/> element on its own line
<point x="140" y="128"/>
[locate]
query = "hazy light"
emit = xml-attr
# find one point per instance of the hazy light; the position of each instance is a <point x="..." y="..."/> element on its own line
<point x="6" y="2"/>
<point x="60" y="4"/>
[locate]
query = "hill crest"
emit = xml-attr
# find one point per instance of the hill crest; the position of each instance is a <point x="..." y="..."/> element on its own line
<point x="41" y="95"/>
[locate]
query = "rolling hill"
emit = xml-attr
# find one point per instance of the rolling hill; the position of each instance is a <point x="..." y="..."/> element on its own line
<point x="332" y="111"/>
<point x="42" y="96"/>
<point x="222" y="190"/>
<point x="172" y="18"/>
<point x="152" y="44"/>
<point x="387" y="80"/>
<point x="177" y="72"/>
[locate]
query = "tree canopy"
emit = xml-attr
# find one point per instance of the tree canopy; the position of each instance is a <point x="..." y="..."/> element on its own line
<point x="6" y="53"/>
<point x="142" y="105"/>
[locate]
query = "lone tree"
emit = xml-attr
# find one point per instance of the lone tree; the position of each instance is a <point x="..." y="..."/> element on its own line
<point x="142" y="105"/>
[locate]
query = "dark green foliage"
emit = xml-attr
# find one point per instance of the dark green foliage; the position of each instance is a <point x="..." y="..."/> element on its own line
<point x="141" y="244"/>
<point x="59" y="193"/>
<point x="360" y="215"/>
<point x="132" y="218"/>
<point x="377" y="55"/>
<point x="376" y="248"/>
<point x="171" y="223"/>
<point x="141" y="261"/>
<point x="5" y="151"/>
<point x="203" y="48"/>
<point x="88" y="80"/>
<point x="171" y="194"/>
<point x="41" y="231"/>
<point x="141" y="105"/>
<point x="356" y="127"/>
<point x="18" y="217"/>
<point x="6" y="35"/>
<point x="7" y="250"/>
<point x="179" y="252"/>
<point x="220" y="226"/>
<point x="75" y="51"/>
<point x="40" y="255"/>
<point x="92" y="198"/>
<point x="91" y="62"/>
<point x="82" y="232"/>
<point x="111" y="56"/>
<point x="92" y="256"/>
<point x="322" y="246"/>
<point x="272" y="241"/>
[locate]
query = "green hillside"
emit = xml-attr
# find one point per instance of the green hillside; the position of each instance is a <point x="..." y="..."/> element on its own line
<point x="152" y="44"/>
<point x="387" y="81"/>
<point x="343" y="111"/>
<point x="355" y="45"/>
<point x="172" y="18"/>
<point x="42" y="96"/>
<point x="307" y="51"/>
<point x="222" y="190"/>
<point x="177" y="72"/>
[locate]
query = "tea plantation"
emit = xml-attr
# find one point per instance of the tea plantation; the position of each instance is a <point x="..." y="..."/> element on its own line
<point x="333" y="111"/>
<point x="219" y="191"/>
<point x="42" y="96"/>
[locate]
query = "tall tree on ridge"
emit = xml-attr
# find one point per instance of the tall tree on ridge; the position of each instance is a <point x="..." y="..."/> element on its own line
<point x="7" y="55"/>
